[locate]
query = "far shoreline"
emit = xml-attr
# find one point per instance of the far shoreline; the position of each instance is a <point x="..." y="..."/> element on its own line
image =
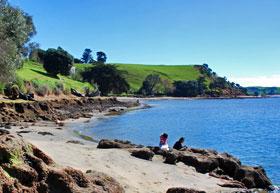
<point x="198" y="98"/>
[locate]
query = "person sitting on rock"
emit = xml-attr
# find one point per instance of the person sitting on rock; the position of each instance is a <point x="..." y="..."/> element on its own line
<point x="163" y="142"/>
<point x="179" y="144"/>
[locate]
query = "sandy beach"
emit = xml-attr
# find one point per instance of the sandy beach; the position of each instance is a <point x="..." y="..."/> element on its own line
<point x="135" y="175"/>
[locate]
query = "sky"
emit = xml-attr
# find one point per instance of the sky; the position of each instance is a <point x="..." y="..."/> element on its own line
<point x="239" y="39"/>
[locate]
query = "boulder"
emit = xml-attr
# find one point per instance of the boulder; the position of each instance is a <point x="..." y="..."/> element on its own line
<point x="170" y="158"/>
<point x="201" y="163"/>
<point x="253" y="177"/>
<point x="183" y="190"/>
<point x="219" y="165"/>
<point x="25" y="168"/>
<point x="143" y="153"/>
<point x="108" y="144"/>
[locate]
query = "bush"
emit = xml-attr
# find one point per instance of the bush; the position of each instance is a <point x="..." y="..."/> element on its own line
<point x="58" y="61"/>
<point x="108" y="78"/>
<point x="42" y="90"/>
<point x="66" y="91"/>
<point x="57" y="91"/>
<point x="186" y="88"/>
<point x="21" y="84"/>
<point x="37" y="55"/>
<point x="150" y="84"/>
<point x="11" y="90"/>
<point x="8" y="89"/>
<point x="28" y="87"/>
<point x="2" y="86"/>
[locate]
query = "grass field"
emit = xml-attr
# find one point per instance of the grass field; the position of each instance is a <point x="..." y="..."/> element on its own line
<point x="35" y="72"/>
<point x="136" y="73"/>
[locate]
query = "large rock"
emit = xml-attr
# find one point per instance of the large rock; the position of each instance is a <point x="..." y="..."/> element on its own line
<point x="143" y="153"/>
<point x="170" y="158"/>
<point x="108" y="144"/>
<point x="25" y="168"/>
<point x="202" y="163"/>
<point x="252" y="177"/>
<point x="220" y="165"/>
<point x="183" y="190"/>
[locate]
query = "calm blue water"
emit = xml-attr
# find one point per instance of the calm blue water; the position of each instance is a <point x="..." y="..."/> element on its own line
<point x="246" y="128"/>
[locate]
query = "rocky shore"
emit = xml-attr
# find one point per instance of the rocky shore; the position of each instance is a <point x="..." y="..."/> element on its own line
<point x="218" y="165"/>
<point x="39" y="154"/>
<point x="57" y="110"/>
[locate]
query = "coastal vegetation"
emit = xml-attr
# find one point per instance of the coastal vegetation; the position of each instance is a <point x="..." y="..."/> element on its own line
<point x="32" y="76"/>
<point x="262" y="91"/>
<point x="24" y="65"/>
<point x="16" y="29"/>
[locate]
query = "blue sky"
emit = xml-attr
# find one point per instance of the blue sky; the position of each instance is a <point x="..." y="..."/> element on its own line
<point x="239" y="39"/>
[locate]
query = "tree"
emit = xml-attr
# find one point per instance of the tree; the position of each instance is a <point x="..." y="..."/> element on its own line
<point x="29" y="49"/>
<point x="87" y="56"/>
<point x="201" y="81"/>
<point x="37" y="55"/>
<point x="107" y="77"/>
<point x="78" y="61"/>
<point x="101" y="57"/>
<point x="186" y="88"/>
<point x="16" y="29"/>
<point x="168" y="87"/>
<point x="219" y="83"/>
<point x="149" y="84"/>
<point x="58" y="61"/>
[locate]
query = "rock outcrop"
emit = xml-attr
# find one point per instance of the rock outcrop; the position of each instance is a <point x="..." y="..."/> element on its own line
<point x="54" y="110"/>
<point x="25" y="168"/>
<point x="183" y="190"/>
<point x="219" y="165"/>
<point x="143" y="153"/>
<point x="109" y="144"/>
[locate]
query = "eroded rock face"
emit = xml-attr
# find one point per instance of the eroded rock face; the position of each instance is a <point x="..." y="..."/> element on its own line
<point x="183" y="190"/>
<point x="57" y="109"/>
<point x="219" y="165"/>
<point x="25" y="168"/>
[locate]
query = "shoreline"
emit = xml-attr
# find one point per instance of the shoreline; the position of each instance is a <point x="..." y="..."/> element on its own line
<point x="67" y="149"/>
<point x="198" y="98"/>
<point x="62" y="144"/>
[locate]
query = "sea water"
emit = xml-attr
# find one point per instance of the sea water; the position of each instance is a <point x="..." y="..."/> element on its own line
<point x="247" y="128"/>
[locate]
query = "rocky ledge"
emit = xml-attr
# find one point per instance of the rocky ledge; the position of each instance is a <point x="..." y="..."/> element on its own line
<point x="53" y="110"/>
<point x="25" y="168"/>
<point x="219" y="165"/>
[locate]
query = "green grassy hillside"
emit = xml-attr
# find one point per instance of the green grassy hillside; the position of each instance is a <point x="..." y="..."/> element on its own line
<point x="136" y="73"/>
<point x="35" y="72"/>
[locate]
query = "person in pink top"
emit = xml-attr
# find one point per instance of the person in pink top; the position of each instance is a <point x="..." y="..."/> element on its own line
<point x="163" y="141"/>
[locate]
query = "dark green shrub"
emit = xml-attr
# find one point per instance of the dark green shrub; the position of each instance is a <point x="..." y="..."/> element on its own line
<point x="58" y="61"/>
<point x="186" y="88"/>
<point x="108" y="78"/>
<point x="150" y="84"/>
<point x="11" y="90"/>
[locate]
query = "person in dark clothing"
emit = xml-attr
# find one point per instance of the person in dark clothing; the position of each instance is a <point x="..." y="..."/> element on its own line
<point x="179" y="144"/>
